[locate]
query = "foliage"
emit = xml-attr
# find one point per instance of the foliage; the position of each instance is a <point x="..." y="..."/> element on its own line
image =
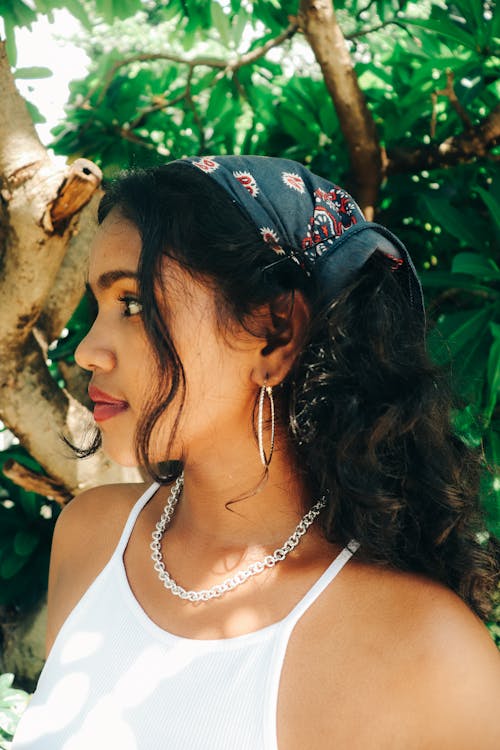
<point x="26" y="524"/>
<point x="202" y="84"/>
<point x="12" y="704"/>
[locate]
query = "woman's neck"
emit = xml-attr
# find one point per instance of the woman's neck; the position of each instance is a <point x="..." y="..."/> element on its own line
<point x="207" y="515"/>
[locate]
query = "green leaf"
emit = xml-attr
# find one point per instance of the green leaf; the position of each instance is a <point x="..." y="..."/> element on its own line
<point x="476" y="265"/>
<point x="469" y="331"/>
<point x="112" y="9"/>
<point x="467" y="426"/>
<point x="12" y="565"/>
<point x="25" y="542"/>
<point x="33" y="73"/>
<point x="460" y="331"/>
<point x="220" y="100"/>
<point x="10" y="40"/>
<point x="493" y="372"/>
<point x="328" y="117"/>
<point x="35" y="114"/>
<point x="221" y="22"/>
<point x="490" y="484"/>
<point x="492" y="203"/>
<point x="6" y="681"/>
<point x="17" y="12"/>
<point x="444" y="27"/>
<point x="440" y="279"/>
<point x="452" y="220"/>
<point x="76" y="8"/>
<point x="494" y="26"/>
<point x="239" y="25"/>
<point x="30" y="503"/>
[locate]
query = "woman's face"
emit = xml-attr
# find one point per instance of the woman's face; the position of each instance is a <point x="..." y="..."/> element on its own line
<point x="220" y="391"/>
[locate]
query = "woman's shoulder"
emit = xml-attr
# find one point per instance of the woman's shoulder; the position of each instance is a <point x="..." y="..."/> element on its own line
<point x="418" y="642"/>
<point x="93" y="519"/>
<point x="107" y="502"/>
<point x="86" y="533"/>
<point x="449" y="662"/>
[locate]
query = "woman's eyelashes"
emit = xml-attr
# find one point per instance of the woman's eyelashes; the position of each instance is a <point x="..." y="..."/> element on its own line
<point x="131" y="305"/>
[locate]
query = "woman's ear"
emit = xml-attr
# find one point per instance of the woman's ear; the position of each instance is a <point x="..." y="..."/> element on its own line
<point x="289" y="317"/>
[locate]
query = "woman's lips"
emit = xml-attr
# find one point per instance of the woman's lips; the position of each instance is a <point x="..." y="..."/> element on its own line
<point x="104" y="411"/>
<point x="105" y="406"/>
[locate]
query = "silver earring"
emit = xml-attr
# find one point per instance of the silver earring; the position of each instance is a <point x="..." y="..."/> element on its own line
<point x="265" y="389"/>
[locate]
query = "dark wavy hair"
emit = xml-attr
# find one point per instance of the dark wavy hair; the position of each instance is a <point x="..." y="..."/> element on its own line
<point x="367" y="411"/>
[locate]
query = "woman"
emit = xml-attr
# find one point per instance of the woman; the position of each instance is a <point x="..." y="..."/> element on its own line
<point x="310" y="578"/>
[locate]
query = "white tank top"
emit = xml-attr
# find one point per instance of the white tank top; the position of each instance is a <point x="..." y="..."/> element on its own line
<point x="114" y="679"/>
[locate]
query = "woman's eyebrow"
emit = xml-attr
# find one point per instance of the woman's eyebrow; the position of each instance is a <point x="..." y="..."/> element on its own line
<point x="107" y="279"/>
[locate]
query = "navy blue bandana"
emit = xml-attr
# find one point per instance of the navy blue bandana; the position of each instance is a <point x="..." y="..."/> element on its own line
<point x="307" y="219"/>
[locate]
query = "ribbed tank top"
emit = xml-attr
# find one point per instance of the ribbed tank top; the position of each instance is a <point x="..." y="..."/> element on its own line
<point x="115" y="679"/>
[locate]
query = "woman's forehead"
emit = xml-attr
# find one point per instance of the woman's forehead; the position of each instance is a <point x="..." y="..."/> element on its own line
<point x="117" y="243"/>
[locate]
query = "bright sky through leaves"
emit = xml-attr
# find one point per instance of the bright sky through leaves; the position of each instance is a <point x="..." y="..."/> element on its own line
<point x="46" y="46"/>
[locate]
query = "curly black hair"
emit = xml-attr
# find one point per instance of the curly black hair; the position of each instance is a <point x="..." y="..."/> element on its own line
<point x="367" y="411"/>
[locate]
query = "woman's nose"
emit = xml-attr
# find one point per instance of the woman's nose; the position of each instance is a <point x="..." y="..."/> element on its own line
<point x="93" y="353"/>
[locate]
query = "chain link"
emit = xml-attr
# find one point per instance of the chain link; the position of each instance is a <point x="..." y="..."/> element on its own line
<point x="239" y="578"/>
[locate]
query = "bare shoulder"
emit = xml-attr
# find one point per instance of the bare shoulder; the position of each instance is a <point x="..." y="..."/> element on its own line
<point x="455" y="668"/>
<point x="107" y="504"/>
<point x="403" y="659"/>
<point x="435" y="654"/>
<point x="85" y="535"/>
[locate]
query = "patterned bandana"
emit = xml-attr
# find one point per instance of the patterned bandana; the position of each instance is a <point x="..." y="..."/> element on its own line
<point x="307" y="219"/>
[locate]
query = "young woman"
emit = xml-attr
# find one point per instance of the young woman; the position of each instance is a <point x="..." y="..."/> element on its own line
<point x="305" y="572"/>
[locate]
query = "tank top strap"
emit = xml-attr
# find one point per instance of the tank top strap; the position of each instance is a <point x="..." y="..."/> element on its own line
<point x="317" y="588"/>
<point x="132" y="518"/>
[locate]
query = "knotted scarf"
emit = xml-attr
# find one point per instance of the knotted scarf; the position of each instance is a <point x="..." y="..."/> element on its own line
<point x="309" y="220"/>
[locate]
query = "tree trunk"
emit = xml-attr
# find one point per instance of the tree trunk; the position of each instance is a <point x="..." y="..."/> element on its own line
<point x="47" y="216"/>
<point x="320" y="26"/>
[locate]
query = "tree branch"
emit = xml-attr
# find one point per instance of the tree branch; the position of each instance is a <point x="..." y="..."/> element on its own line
<point x="363" y="10"/>
<point x="40" y="202"/>
<point x="259" y="52"/>
<point x="449" y="92"/>
<point x="475" y="143"/>
<point x="320" y="26"/>
<point x="21" y="153"/>
<point x="34" y="482"/>
<point x="69" y="285"/>
<point x="40" y="205"/>
<point x="29" y="396"/>
<point x="371" y="29"/>
<point x="208" y="62"/>
<point x="127" y="135"/>
<point x="82" y="179"/>
<point x="159" y="103"/>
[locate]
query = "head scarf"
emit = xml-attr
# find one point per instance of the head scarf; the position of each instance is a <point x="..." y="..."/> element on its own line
<point x="308" y="220"/>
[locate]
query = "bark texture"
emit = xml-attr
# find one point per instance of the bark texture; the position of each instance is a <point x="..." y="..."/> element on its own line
<point x="46" y="218"/>
<point x="320" y="26"/>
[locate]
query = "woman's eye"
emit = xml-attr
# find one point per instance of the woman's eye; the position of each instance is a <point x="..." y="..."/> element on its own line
<point x="131" y="306"/>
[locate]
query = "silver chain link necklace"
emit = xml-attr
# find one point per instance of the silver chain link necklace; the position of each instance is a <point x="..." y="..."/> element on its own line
<point x="243" y="575"/>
